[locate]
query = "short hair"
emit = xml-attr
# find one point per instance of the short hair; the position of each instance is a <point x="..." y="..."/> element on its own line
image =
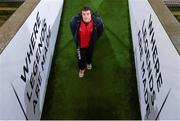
<point x="86" y="8"/>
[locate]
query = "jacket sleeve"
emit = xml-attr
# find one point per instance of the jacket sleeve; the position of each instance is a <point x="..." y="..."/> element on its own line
<point x="73" y="29"/>
<point x="100" y="27"/>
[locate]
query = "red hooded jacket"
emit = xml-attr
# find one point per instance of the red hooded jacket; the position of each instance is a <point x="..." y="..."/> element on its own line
<point x="85" y="33"/>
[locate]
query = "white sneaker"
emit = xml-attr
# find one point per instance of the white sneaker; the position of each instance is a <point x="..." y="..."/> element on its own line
<point x="89" y="66"/>
<point x="81" y="73"/>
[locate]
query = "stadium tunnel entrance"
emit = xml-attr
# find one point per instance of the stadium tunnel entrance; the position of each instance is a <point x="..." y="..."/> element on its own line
<point x="107" y="92"/>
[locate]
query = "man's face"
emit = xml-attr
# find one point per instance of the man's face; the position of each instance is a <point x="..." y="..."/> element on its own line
<point x="86" y="16"/>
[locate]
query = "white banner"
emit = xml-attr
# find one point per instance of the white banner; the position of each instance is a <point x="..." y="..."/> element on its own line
<point x="157" y="64"/>
<point x="26" y="61"/>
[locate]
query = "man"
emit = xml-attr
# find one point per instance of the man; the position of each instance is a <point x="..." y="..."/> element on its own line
<point x="86" y="28"/>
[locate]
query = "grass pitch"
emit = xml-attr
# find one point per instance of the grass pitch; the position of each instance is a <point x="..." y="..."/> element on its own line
<point x="109" y="90"/>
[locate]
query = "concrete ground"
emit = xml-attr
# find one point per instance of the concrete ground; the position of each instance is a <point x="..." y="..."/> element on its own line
<point x="7" y="9"/>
